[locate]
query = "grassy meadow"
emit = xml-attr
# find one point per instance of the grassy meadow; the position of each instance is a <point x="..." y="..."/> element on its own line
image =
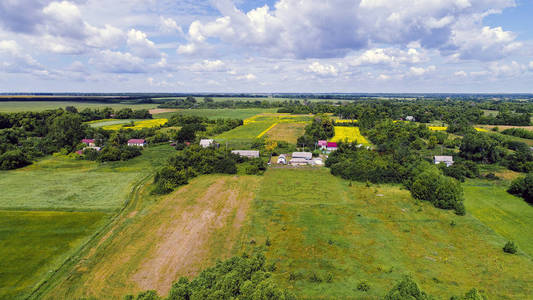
<point x="51" y="208"/>
<point x="225" y="113"/>
<point x="34" y="243"/>
<point x="21" y="106"/>
<point x="327" y="235"/>
<point x="506" y="214"/>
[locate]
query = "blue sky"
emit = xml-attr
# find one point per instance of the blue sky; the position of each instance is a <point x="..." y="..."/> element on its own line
<point x="266" y="46"/>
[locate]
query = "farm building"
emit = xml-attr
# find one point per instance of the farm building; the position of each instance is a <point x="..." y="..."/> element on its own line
<point x="331" y="146"/>
<point x="80" y="152"/>
<point x="304" y="155"/>
<point x="247" y="153"/>
<point x="206" y="143"/>
<point x="322" y="144"/>
<point x="137" y="142"/>
<point x="89" y="142"/>
<point x="448" y="160"/>
<point x="318" y="161"/>
<point x="282" y="159"/>
<point x="298" y="161"/>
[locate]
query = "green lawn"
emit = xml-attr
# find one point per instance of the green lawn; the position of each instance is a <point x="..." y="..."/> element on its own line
<point x="239" y="113"/>
<point x="33" y="244"/>
<point x="60" y="183"/>
<point x="243" y="136"/>
<point x="506" y="214"/>
<point x="320" y="227"/>
<point x="19" y="106"/>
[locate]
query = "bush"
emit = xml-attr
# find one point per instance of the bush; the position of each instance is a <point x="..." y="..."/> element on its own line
<point x="473" y="294"/>
<point x="523" y="187"/>
<point x="443" y="192"/>
<point x="510" y="248"/>
<point x="407" y="289"/>
<point x="13" y="160"/>
<point x="363" y="286"/>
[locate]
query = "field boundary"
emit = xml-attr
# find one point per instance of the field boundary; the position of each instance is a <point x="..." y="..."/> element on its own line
<point x="48" y="282"/>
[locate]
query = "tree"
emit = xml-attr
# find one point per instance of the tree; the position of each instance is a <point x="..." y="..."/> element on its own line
<point x="473" y="294"/>
<point x="407" y="289"/>
<point x="523" y="187"/>
<point x="13" y="160"/>
<point x="186" y="134"/>
<point x="443" y="192"/>
<point x="67" y="130"/>
<point x="510" y="248"/>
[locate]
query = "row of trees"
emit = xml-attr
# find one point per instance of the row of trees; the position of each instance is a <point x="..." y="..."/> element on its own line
<point x="321" y="128"/>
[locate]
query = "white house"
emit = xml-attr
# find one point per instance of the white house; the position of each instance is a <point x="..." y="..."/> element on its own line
<point x="137" y="142"/>
<point x="410" y="118"/>
<point x="448" y="160"/>
<point x="206" y="143"/>
<point x="247" y="153"/>
<point x="282" y="159"/>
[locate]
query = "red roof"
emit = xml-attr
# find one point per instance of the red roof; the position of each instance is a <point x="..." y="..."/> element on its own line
<point x="87" y="141"/>
<point x="322" y="143"/>
<point x="136" y="141"/>
<point x="332" y="145"/>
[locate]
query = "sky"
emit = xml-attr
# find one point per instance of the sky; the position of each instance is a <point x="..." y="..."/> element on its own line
<point x="259" y="46"/>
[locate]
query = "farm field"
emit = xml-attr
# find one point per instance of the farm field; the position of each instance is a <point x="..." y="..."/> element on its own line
<point x="33" y="243"/>
<point x="138" y="124"/>
<point x="54" y="206"/>
<point x="20" y="106"/>
<point x="506" y="214"/>
<point x="503" y="127"/>
<point x="288" y="132"/>
<point x="352" y="134"/>
<point x="320" y="227"/>
<point x="178" y="235"/>
<point x="240" y="113"/>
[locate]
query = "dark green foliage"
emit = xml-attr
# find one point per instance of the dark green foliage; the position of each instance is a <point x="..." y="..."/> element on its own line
<point x="187" y="133"/>
<point x="256" y="166"/>
<point x="236" y="278"/>
<point x="523" y="187"/>
<point x="67" y="130"/>
<point x="482" y="148"/>
<point x="13" y="160"/>
<point x="320" y="129"/>
<point x="363" y="286"/>
<point x="473" y="294"/>
<point x="407" y="289"/>
<point x="461" y="170"/>
<point x="443" y="192"/>
<point x="519" y="132"/>
<point x="521" y="160"/>
<point x="113" y="153"/>
<point x="510" y="248"/>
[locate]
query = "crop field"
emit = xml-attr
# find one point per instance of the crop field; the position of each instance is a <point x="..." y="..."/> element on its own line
<point x="288" y="132"/>
<point x="444" y="128"/>
<point x="150" y="123"/>
<point x="503" y="127"/>
<point x="179" y="235"/>
<point x="52" y="207"/>
<point x="20" y="106"/>
<point x="326" y="235"/>
<point x="350" y="134"/>
<point x="108" y="122"/>
<point x="506" y="214"/>
<point x="225" y="113"/>
<point x="34" y="243"/>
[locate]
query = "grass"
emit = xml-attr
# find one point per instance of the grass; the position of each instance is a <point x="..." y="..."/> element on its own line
<point x="33" y="243"/>
<point x="107" y="122"/>
<point x="350" y="134"/>
<point x="288" y="132"/>
<point x="166" y="238"/>
<point x="506" y="214"/>
<point x="321" y="226"/>
<point x="138" y="125"/>
<point x="20" y="106"/>
<point x="61" y="183"/>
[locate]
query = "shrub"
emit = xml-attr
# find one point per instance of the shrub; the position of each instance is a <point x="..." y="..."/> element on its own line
<point x="407" y="289"/>
<point x="510" y="248"/>
<point x="473" y="294"/>
<point x="523" y="187"/>
<point x="363" y="286"/>
<point x="13" y="160"/>
<point x="443" y="192"/>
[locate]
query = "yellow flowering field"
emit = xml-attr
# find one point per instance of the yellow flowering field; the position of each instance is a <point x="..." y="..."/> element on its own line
<point x="438" y="128"/>
<point x="345" y="121"/>
<point x="151" y="123"/>
<point x="343" y="133"/>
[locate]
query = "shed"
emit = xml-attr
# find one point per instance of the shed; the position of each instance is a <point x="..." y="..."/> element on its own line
<point x="282" y="159"/>
<point x="137" y="142"/>
<point x="332" y="146"/>
<point x="298" y="161"/>
<point x="304" y="155"/>
<point x="247" y="153"/>
<point x="206" y="143"/>
<point x="448" y="160"/>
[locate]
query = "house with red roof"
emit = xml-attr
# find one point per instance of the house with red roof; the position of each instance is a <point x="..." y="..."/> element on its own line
<point x="137" y="142"/>
<point x="89" y="142"/>
<point x="322" y="144"/>
<point x="331" y="146"/>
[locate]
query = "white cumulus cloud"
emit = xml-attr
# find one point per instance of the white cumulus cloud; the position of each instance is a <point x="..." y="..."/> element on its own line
<point x="323" y="69"/>
<point x="140" y="45"/>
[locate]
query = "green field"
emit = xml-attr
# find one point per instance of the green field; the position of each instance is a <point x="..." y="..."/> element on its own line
<point x="20" y="106"/>
<point x="32" y="244"/>
<point x="326" y="236"/>
<point x="239" y="113"/>
<point x="65" y="201"/>
<point x="107" y="122"/>
<point x="506" y="214"/>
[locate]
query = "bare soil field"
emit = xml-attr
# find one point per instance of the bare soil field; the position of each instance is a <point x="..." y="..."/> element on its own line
<point x="178" y="235"/>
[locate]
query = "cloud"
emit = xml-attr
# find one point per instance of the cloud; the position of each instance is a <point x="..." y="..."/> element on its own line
<point x="140" y="45"/>
<point x="512" y="69"/>
<point x="248" y="77"/>
<point x="419" y="71"/>
<point x="13" y="60"/>
<point x="390" y="56"/>
<point x="118" y="62"/>
<point x="460" y="74"/>
<point x="169" y="25"/>
<point x="209" y="66"/>
<point x="322" y="69"/>
<point x="531" y="65"/>
<point x="485" y="43"/>
<point x="318" y="29"/>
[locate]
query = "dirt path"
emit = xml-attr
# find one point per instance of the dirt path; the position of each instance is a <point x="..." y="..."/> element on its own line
<point x="177" y="236"/>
